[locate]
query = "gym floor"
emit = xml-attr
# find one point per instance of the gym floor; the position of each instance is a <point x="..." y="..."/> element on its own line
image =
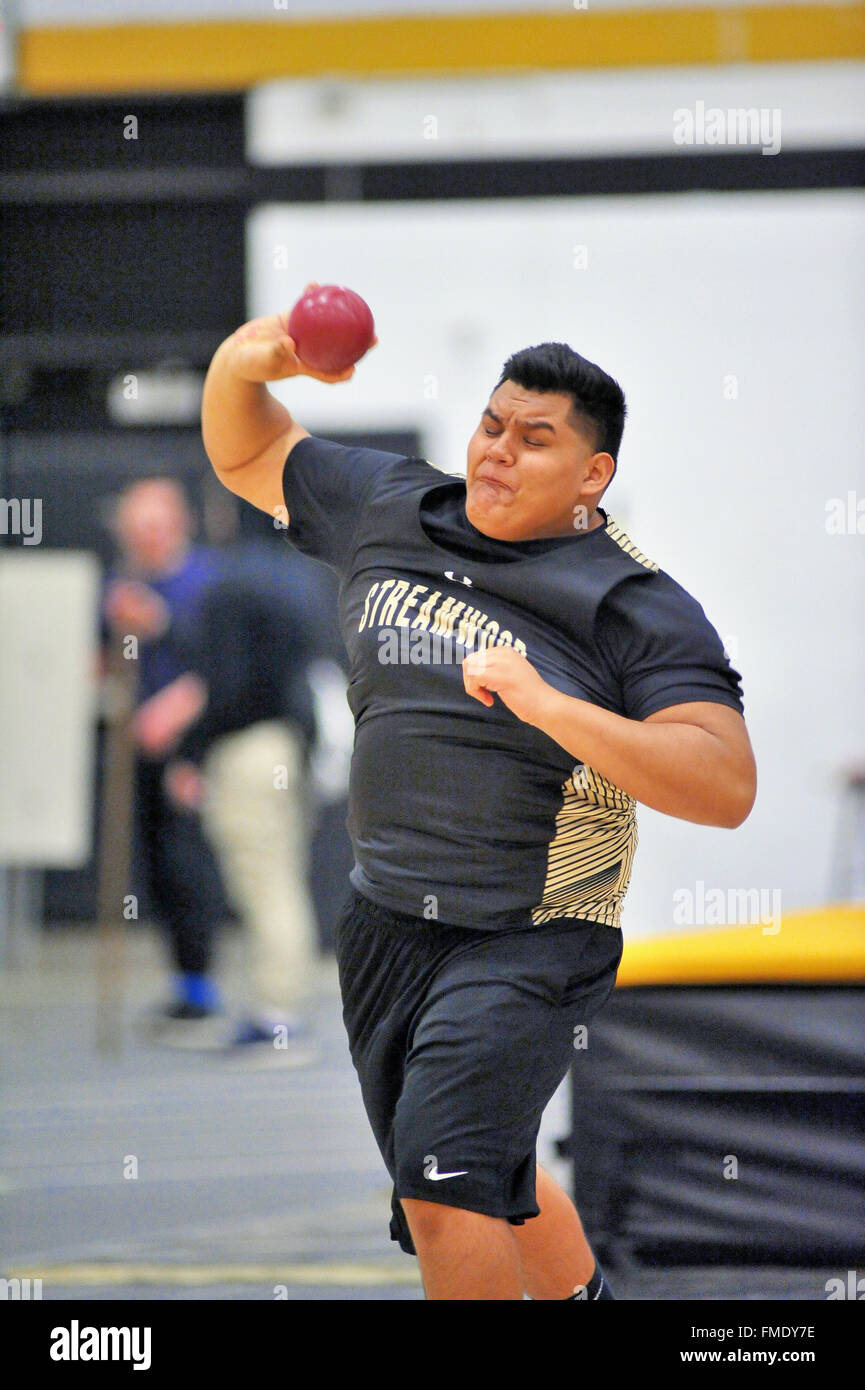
<point x="156" y="1173"/>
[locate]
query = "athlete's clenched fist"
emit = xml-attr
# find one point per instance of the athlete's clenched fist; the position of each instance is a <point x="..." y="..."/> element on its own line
<point x="507" y="673"/>
<point x="263" y="350"/>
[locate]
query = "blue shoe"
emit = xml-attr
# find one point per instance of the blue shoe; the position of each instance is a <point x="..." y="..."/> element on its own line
<point x="286" y="1044"/>
<point x="251" y="1032"/>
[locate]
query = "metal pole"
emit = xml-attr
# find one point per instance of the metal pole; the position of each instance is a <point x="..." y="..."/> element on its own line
<point x="115" y="845"/>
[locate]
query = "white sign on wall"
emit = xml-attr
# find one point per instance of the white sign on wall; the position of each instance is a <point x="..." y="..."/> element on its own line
<point x="48" y="635"/>
<point x="544" y="115"/>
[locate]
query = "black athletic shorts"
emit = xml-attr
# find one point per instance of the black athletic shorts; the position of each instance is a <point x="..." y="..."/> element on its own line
<point x="460" y="1038"/>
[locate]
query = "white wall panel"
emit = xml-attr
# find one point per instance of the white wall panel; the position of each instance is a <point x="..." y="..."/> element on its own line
<point x="48" y="633"/>
<point x="108" y="11"/>
<point x="803" y="105"/>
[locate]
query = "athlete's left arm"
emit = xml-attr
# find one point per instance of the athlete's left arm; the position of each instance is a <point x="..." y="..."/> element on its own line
<point x="693" y="761"/>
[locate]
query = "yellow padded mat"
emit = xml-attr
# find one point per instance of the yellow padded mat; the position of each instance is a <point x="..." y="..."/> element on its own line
<point x="817" y="944"/>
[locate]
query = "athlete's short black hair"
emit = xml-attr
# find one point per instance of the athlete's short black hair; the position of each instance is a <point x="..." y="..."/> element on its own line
<point x="599" y="401"/>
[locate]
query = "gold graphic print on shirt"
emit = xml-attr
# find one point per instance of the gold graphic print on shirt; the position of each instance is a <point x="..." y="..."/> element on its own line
<point x="590" y="856"/>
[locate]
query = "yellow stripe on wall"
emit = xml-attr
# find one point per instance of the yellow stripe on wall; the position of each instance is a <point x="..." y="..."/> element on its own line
<point x="230" y="55"/>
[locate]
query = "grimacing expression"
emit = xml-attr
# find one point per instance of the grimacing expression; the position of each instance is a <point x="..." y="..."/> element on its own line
<point x="531" y="468"/>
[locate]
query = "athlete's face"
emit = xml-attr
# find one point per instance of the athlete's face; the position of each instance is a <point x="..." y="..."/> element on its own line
<point x="531" y="471"/>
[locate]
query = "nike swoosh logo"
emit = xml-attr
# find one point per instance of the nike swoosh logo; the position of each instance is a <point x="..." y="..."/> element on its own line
<point x="437" y="1177"/>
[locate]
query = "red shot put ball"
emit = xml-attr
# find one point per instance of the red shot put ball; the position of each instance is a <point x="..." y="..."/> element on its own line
<point x="332" y="328"/>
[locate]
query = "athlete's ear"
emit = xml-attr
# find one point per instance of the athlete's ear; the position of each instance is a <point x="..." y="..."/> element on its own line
<point x="599" y="474"/>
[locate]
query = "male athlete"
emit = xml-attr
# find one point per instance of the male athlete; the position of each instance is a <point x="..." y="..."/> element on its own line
<point x="521" y="676"/>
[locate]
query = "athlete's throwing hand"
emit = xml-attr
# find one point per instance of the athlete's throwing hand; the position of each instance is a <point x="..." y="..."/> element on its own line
<point x="264" y="351"/>
<point x="507" y="673"/>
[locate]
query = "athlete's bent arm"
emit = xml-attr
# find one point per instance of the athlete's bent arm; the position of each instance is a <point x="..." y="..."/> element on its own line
<point x="693" y="761"/>
<point x="247" y="433"/>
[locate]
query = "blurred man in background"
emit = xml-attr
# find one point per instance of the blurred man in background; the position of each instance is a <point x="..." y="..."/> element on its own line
<point x="153" y="597"/>
<point x="239" y="726"/>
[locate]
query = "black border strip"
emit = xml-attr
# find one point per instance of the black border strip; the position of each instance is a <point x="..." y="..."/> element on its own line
<point x="739" y="171"/>
<point x="472" y="180"/>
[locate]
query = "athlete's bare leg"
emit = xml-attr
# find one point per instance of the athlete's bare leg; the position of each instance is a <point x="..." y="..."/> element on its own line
<point x="464" y="1255"/>
<point x="555" y="1256"/>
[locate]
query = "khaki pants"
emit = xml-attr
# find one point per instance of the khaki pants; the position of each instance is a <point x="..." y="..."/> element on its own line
<point x="255" y="814"/>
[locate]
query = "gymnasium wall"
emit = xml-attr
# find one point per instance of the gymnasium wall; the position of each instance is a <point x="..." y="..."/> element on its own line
<point x="723" y="287"/>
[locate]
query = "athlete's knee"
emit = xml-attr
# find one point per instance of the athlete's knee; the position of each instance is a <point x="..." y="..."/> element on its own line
<point x="433" y="1221"/>
<point x="425" y="1218"/>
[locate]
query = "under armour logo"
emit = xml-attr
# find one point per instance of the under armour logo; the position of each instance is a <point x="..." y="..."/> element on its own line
<point x="449" y="574"/>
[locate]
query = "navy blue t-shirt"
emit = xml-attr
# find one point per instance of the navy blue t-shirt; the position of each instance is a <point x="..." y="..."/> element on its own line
<point x="162" y="659"/>
<point x="460" y="812"/>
